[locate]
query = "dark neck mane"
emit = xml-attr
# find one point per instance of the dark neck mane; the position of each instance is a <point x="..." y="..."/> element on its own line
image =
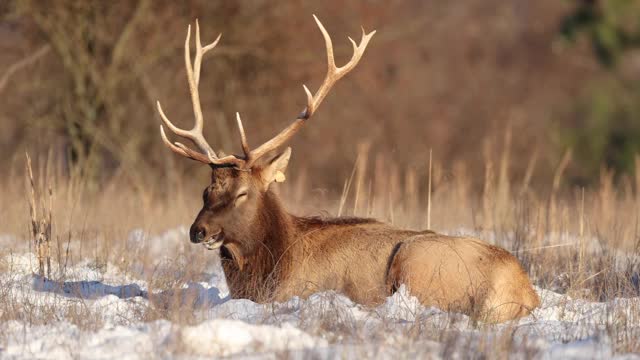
<point x="277" y="228"/>
<point x="258" y="264"/>
<point x="311" y="222"/>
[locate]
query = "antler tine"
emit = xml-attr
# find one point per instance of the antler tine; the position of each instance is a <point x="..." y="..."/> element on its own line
<point x="313" y="101"/>
<point x="232" y="160"/>
<point x="331" y="63"/>
<point x="193" y="77"/>
<point x="180" y="149"/>
<point x="243" y="137"/>
<point x="200" y="51"/>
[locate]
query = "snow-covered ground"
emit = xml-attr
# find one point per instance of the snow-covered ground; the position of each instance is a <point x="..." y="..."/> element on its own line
<point x="55" y="314"/>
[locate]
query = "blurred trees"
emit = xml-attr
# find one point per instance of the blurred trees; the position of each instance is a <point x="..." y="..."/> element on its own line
<point x="100" y="88"/>
<point x="606" y="118"/>
<point x="92" y="42"/>
<point x="612" y="26"/>
<point x="454" y="77"/>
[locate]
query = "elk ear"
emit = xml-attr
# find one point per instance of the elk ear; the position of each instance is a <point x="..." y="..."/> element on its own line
<point x="274" y="170"/>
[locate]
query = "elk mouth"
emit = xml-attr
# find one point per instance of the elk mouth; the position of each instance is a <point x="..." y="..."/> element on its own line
<point x="214" y="241"/>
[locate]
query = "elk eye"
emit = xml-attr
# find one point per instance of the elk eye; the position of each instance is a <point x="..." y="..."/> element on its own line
<point x="240" y="197"/>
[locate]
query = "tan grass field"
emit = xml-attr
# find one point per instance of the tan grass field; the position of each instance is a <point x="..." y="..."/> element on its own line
<point x="576" y="244"/>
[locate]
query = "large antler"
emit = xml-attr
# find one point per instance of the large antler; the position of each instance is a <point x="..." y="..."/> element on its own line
<point x="313" y="101"/>
<point x="208" y="156"/>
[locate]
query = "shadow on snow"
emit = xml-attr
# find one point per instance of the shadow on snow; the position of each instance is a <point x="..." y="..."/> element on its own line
<point x="194" y="294"/>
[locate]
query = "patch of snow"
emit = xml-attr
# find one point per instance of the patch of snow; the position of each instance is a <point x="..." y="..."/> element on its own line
<point x="325" y="325"/>
<point x="225" y="337"/>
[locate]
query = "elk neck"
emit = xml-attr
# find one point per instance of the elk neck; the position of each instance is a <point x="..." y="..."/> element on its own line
<point x="272" y="232"/>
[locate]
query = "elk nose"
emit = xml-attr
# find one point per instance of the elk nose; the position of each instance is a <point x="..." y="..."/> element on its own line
<point x="197" y="234"/>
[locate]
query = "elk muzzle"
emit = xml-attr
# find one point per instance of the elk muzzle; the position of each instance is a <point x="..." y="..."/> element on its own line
<point x="202" y="234"/>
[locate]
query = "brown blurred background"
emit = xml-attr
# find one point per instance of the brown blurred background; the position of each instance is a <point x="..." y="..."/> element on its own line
<point x="531" y="109"/>
<point x="472" y="80"/>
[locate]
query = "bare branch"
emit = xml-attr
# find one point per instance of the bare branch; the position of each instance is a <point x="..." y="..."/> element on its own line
<point x="4" y="80"/>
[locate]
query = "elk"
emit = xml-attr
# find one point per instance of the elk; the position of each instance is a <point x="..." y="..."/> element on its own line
<point x="269" y="254"/>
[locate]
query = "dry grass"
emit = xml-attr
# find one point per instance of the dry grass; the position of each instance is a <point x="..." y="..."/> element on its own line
<point x="582" y="242"/>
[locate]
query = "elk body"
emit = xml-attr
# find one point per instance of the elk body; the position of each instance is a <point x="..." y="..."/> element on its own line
<point x="269" y="254"/>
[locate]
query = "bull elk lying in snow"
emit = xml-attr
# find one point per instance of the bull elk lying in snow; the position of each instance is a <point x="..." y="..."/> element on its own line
<point x="269" y="254"/>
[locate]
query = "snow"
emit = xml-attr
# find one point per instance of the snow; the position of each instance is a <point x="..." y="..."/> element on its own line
<point x="124" y="323"/>
<point x="227" y="337"/>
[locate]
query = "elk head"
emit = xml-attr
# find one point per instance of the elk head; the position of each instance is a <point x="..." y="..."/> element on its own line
<point x="234" y="201"/>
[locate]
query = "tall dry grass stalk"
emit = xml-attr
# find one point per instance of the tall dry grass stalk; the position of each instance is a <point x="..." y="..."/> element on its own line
<point x="581" y="231"/>
<point x="361" y="170"/>
<point x="637" y="172"/>
<point x="40" y="223"/>
<point x="504" y="182"/>
<point x="488" y="191"/>
<point x="429" y="189"/>
<point x="531" y="165"/>
<point x="553" y="216"/>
